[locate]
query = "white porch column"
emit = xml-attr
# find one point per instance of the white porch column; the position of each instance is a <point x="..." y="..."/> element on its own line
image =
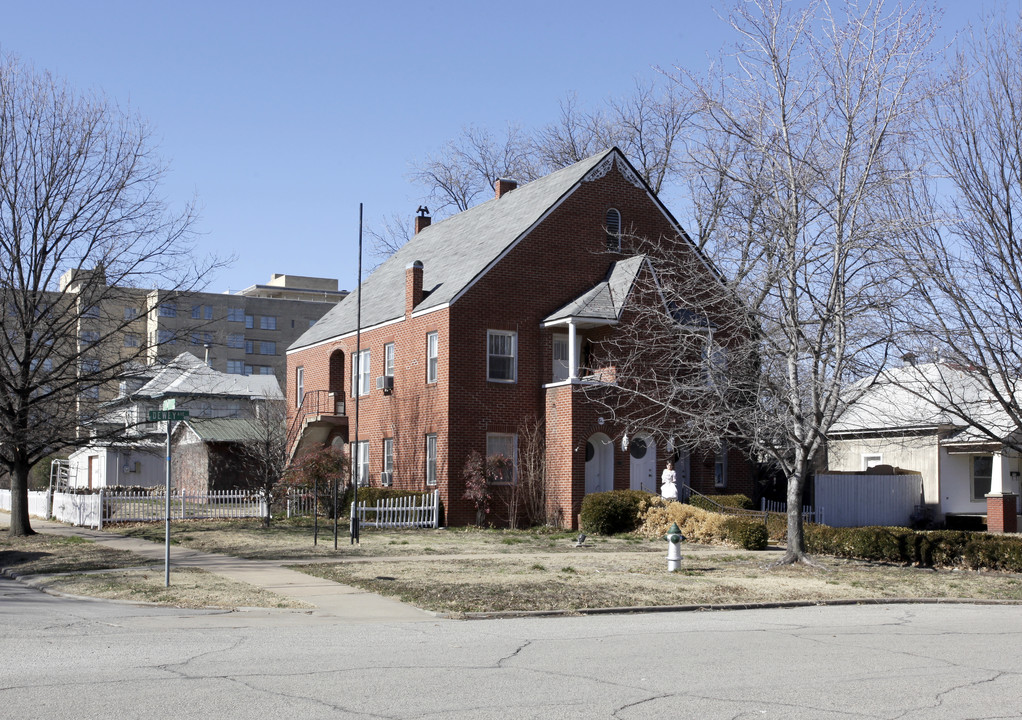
<point x="997" y="473"/>
<point x="572" y="357"/>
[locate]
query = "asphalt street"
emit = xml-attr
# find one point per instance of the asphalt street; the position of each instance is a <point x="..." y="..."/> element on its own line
<point x="73" y="658"/>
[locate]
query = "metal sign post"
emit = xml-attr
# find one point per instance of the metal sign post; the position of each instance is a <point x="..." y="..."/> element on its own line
<point x="169" y="416"/>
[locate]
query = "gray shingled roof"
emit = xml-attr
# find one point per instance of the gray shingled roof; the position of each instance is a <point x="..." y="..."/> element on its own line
<point x="454" y="252"/>
<point x="187" y="375"/>
<point x="606" y="300"/>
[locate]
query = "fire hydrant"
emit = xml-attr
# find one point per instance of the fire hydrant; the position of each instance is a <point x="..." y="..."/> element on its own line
<point x="673" y="539"/>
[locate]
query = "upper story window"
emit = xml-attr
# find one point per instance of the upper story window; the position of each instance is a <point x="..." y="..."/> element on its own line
<point x="88" y="337"/>
<point x="267" y="347"/>
<point x="501" y="349"/>
<point x="166" y="337"/>
<point x="132" y="340"/>
<point x="268" y="322"/>
<point x="130" y="313"/>
<point x="235" y="314"/>
<point x="236" y="367"/>
<point x="432" y="357"/>
<point x="235" y="340"/>
<point x="249" y="322"/>
<point x="168" y="309"/>
<point x="196" y="312"/>
<point x="360" y="372"/>
<point x="388" y="359"/>
<point x="92" y="311"/>
<point x="612" y="222"/>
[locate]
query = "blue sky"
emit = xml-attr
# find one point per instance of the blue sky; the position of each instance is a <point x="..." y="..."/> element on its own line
<point x="279" y="119"/>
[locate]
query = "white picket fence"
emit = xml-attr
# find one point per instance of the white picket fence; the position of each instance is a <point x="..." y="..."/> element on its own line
<point x="809" y="513"/>
<point x="404" y="512"/>
<point x="216" y="505"/>
<point x="38" y="502"/>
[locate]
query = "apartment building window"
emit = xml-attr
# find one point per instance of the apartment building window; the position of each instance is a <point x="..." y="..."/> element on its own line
<point x="91" y="393"/>
<point x="132" y="340"/>
<point x="267" y="347"/>
<point x="92" y="311"/>
<point x="166" y="337"/>
<point x="265" y="370"/>
<point x="299" y="385"/>
<point x="248" y="369"/>
<point x="235" y="314"/>
<point x="360" y="372"/>
<point x="249" y="322"/>
<point x="235" y="340"/>
<point x="500" y="356"/>
<point x="88" y="337"/>
<point x="196" y="312"/>
<point x="130" y="313"/>
<point x="360" y="462"/>
<point x="388" y="462"/>
<point x="202" y="338"/>
<point x="431" y="453"/>
<point x="268" y="322"/>
<point x="250" y="347"/>
<point x="88" y="365"/>
<point x="388" y="359"/>
<point x="432" y="357"/>
<point x="236" y="367"/>
<point x="168" y="309"/>
<point x="506" y="445"/>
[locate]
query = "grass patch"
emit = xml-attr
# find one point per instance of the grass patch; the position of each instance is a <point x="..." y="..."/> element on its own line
<point x="40" y="554"/>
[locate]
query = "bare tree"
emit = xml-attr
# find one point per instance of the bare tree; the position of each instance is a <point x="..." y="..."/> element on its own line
<point x="967" y="264"/>
<point x="800" y="149"/>
<point x="265" y="454"/>
<point x="81" y="223"/>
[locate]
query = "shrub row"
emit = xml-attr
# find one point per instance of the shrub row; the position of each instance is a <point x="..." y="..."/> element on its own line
<point x="698" y="525"/>
<point x="718" y="501"/>
<point x="933" y="548"/>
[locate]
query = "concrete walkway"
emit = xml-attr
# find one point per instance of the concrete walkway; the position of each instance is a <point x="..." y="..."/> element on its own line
<point x="330" y="598"/>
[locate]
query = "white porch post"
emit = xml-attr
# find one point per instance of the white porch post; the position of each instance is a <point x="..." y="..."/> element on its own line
<point x="997" y="471"/>
<point x="572" y="357"/>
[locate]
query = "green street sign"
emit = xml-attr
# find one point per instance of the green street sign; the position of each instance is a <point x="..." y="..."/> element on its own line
<point x="161" y="415"/>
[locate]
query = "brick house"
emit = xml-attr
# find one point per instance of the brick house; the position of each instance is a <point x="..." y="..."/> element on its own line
<point x="488" y="320"/>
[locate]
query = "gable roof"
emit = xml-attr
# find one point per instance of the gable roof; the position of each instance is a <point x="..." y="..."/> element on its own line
<point x="224" y="429"/>
<point x="187" y="375"/>
<point x="916" y="397"/>
<point x="606" y="300"/>
<point x="458" y="250"/>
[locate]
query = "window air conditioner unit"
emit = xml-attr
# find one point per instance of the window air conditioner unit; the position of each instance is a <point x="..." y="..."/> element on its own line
<point x="386" y="478"/>
<point x="385" y="382"/>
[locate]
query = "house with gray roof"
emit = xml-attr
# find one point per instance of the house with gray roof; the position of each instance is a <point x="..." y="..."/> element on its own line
<point x="939" y="420"/>
<point x="488" y="324"/>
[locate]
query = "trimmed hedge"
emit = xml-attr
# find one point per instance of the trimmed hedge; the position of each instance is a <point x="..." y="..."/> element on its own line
<point x="609" y="513"/>
<point x="745" y="533"/>
<point x="933" y="548"/>
<point x="713" y="503"/>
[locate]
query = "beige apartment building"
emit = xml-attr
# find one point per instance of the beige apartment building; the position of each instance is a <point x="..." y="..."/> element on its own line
<point x="244" y="333"/>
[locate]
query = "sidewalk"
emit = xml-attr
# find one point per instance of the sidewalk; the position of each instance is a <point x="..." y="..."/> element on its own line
<point x="330" y="598"/>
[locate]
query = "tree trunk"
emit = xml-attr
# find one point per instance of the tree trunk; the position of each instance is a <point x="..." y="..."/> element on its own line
<point x="20" y="526"/>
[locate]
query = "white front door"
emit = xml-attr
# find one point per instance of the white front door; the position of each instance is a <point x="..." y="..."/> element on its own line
<point x="599" y="464"/>
<point x="642" y="451"/>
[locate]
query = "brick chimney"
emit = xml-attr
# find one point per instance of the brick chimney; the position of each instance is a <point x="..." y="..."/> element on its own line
<point x="413" y="286"/>
<point x="504" y="186"/>
<point x="422" y="220"/>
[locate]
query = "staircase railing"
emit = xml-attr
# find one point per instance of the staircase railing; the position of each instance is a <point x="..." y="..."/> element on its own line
<point x="315" y="402"/>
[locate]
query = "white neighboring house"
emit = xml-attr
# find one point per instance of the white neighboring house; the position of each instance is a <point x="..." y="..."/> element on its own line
<point x="905" y="421"/>
<point x="139" y="457"/>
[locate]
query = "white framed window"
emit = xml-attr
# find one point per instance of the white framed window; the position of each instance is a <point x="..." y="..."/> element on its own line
<point x="507" y="445"/>
<point x="501" y="349"/>
<point x="360" y="367"/>
<point x="612" y="223"/>
<point x="268" y="322"/>
<point x="869" y="461"/>
<point x="561" y="368"/>
<point x="982" y="469"/>
<point x="299" y="385"/>
<point x="360" y="462"/>
<point x="432" y="357"/>
<point x="431" y="453"/>
<point x="720" y="467"/>
<point x="388" y="462"/>
<point x="388" y="359"/>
